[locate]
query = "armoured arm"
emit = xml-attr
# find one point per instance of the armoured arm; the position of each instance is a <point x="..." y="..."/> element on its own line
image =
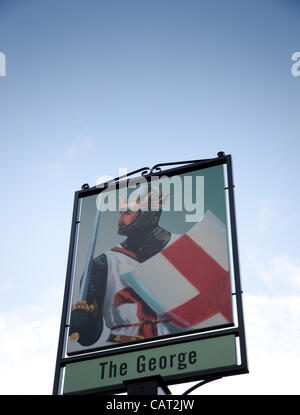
<point x="86" y="316"/>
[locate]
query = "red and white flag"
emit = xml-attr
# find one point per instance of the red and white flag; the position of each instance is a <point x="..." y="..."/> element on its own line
<point x="188" y="282"/>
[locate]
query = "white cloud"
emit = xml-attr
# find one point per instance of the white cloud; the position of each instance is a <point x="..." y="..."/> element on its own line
<point x="267" y="214"/>
<point x="28" y="344"/>
<point x="281" y="274"/>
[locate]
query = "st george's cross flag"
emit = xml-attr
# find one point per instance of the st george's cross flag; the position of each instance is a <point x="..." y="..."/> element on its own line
<point x="188" y="282"/>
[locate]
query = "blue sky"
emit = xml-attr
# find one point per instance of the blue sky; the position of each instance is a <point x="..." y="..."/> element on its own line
<point x="93" y="86"/>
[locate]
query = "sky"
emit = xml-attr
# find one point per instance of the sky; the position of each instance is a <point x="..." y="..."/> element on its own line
<point x="94" y="86"/>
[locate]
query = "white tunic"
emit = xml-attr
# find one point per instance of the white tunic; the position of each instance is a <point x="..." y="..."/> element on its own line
<point x="122" y="311"/>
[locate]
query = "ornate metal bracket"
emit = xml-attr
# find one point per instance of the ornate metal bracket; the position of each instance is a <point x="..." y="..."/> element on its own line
<point x="157" y="168"/>
<point x="203" y="382"/>
<point x="144" y="170"/>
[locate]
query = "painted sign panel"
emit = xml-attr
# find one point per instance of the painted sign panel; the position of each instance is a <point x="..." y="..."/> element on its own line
<point x="151" y="261"/>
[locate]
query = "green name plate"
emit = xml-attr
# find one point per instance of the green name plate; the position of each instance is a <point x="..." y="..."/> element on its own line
<point x="169" y="360"/>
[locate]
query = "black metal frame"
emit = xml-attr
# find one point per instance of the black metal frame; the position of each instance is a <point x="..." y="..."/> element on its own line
<point x="238" y="331"/>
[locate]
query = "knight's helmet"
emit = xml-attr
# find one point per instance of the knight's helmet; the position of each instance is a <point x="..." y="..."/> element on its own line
<point x="147" y="201"/>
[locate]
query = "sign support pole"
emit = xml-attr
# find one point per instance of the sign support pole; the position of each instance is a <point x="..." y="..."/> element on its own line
<point x="148" y="386"/>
